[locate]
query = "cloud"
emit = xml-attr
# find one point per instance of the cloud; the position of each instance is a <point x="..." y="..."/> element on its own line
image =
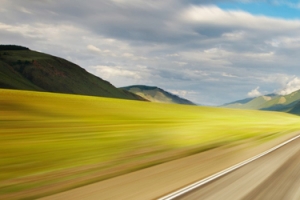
<point x="212" y="16"/>
<point x="291" y="86"/>
<point x="286" y="83"/>
<point x="94" y="49"/>
<point x="228" y="75"/>
<point x="181" y="93"/>
<point x="108" y="72"/>
<point x="235" y="35"/>
<point x="174" y="44"/>
<point x="254" y="93"/>
<point x="277" y="78"/>
<point x="105" y="52"/>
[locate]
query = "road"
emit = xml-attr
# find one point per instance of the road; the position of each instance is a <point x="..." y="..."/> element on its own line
<point x="275" y="176"/>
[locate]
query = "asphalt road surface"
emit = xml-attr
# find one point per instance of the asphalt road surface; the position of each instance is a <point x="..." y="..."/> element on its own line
<point x="276" y="176"/>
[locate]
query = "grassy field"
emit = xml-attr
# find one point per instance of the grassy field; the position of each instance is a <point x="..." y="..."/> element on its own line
<point x="54" y="142"/>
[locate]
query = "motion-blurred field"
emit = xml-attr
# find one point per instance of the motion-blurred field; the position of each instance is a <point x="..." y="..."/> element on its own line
<point x="54" y="142"/>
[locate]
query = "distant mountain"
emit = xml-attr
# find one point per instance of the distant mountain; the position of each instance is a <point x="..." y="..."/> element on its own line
<point x="23" y="69"/>
<point x="156" y="94"/>
<point x="239" y="102"/>
<point x="285" y="103"/>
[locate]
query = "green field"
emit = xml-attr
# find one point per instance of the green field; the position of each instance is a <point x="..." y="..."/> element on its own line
<point x="54" y="142"/>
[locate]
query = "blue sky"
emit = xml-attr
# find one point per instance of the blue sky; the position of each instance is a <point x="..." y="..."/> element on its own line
<point x="208" y="51"/>
<point x="272" y="8"/>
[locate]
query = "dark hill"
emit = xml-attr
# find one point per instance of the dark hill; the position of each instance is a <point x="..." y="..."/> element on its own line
<point x="12" y="47"/>
<point x="156" y="94"/>
<point x="23" y="69"/>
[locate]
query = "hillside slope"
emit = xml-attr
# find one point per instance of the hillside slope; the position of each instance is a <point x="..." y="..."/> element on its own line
<point x="156" y="94"/>
<point x="23" y="69"/>
<point x="285" y="103"/>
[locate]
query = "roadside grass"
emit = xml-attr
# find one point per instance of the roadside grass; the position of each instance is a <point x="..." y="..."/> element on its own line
<point x="54" y="142"/>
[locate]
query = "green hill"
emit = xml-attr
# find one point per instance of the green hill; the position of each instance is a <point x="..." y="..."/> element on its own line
<point x="156" y="94"/>
<point x="239" y="102"/>
<point x="285" y="103"/>
<point x="24" y="69"/>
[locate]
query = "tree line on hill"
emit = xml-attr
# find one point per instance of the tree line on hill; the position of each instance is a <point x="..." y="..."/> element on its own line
<point x="12" y="47"/>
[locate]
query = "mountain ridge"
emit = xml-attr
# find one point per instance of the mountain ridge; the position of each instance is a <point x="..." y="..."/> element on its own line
<point x="25" y="69"/>
<point x="156" y="94"/>
<point x="273" y="102"/>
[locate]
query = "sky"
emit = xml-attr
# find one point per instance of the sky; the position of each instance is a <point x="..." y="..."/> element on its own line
<point x="210" y="51"/>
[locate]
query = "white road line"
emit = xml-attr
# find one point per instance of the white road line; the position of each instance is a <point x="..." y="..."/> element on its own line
<point x="222" y="173"/>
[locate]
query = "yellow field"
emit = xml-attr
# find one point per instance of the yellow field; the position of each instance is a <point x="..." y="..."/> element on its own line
<point x="54" y="142"/>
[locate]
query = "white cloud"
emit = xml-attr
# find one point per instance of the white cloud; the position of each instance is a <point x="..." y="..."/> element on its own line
<point x="130" y="55"/>
<point x="274" y="43"/>
<point x="235" y="35"/>
<point x="94" y="49"/>
<point x="167" y="43"/>
<point x="105" y="52"/>
<point x="291" y="86"/>
<point x="172" y="55"/>
<point x="39" y="34"/>
<point x="215" y="16"/>
<point x="254" y="93"/>
<point x="180" y="63"/>
<point x="108" y="72"/>
<point x="24" y="10"/>
<point x="228" y="75"/>
<point x="181" y="93"/>
<point x="289" y="42"/>
<point x="287" y="83"/>
<point x="280" y="79"/>
<point x="212" y="57"/>
<point x="115" y="53"/>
